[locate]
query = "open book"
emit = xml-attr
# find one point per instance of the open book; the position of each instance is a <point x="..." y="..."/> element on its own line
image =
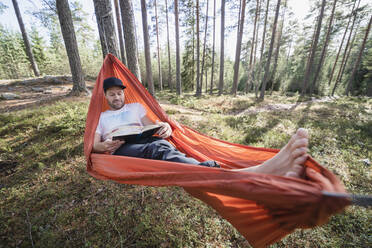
<point x="134" y="133"/>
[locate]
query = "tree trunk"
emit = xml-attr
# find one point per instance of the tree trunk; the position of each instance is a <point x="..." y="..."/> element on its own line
<point x="146" y="40"/>
<point x="198" y="86"/>
<point x="343" y="61"/>
<point x="348" y="54"/>
<point x="277" y="49"/>
<point x="106" y="27"/>
<point x="204" y="45"/>
<point x="267" y="67"/>
<point x="264" y="31"/>
<point x="178" y="60"/>
<point x="170" y="85"/>
<point x="214" y="39"/>
<point x="258" y="74"/>
<point x="120" y="32"/>
<point x="250" y="67"/>
<point x="313" y="50"/>
<point x="340" y="48"/>
<point x="356" y="65"/>
<point x="68" y="33"/>
<point x="238" y="49"/>
<point x="220" y="84"/>
<point x="25" y="39"/>
<point x="129" y="29"/>
<point x="254" y="34"/>
<point x="325" y="45"/>
<point x="257" y="30"/>
<point x="158" y="46"/>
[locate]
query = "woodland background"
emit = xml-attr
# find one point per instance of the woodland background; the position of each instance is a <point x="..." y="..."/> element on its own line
<point x="285" y="74"/>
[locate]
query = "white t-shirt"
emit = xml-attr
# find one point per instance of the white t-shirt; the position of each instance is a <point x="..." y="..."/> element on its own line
<point x="129" y="115"/>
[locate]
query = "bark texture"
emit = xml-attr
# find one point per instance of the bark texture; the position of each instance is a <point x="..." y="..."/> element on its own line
<point x="356" y="65"/>
<point x="68" y="33"/>
<point x="29" y="53"/>
<point x="238" y="49"/>
<point x="267" y="67"/>
<point x="120" y="32"/>
<point x="129" y="28"/>
<point x="146" y="40"/>
<point x="178" y="58"/>
<point x="106" y="27"/>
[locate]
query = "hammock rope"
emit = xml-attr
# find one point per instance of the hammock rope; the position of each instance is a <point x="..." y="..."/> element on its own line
<point x="263" y="208"/>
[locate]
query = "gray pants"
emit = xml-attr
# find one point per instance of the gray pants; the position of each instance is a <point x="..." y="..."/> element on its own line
<point x="159" y="149"/>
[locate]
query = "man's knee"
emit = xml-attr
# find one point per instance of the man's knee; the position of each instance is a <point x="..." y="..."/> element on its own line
<point x="157" y="149"/>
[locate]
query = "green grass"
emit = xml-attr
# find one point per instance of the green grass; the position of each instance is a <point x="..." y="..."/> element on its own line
<point x="47" y="199"/>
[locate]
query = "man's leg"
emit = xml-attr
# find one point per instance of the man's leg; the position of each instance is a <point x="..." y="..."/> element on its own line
<point x="159" y="149"/>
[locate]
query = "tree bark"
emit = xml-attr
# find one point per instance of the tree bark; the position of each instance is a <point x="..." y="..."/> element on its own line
<point x="325" y="45"/>
<point x="254" y="35"/>
<point x="198" y="85"/>
<point x="170" y="85"/>
<point x="262" y="49"/>
<point x="120" y="32"/>
<point x="264" y="31"/>
<point x="250" y="66"/>
<point x="158" y="46"/>
<point x="257" y="30"/>
<point x="129" y="29"/>
<point x="348" y="54"/>
<point x="68" y="33"/>
<point x="277" y="49"/>
<point x="238" y="49"/>
<point x="146" y="40"/>
<point x="220" y="84"/>
<point x="267" y="67"/>
<point x="344" y="56"/>
<point x="204" y="45"/>
<point x="106" y="27"/>
<point x="213" y="46"/>
<point x="178" y="59"/>
<point x="313" y="50"/>
<point x="25" y="39"/>
<point x="340" y="48"/>
<point x="356" y="65"/>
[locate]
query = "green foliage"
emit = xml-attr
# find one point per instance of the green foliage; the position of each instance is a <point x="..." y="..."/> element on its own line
<point x="13" y="59"/>
<point x="46" y="193"/>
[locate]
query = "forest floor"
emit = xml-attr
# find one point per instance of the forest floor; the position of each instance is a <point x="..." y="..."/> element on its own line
<point x="48" y="200"/>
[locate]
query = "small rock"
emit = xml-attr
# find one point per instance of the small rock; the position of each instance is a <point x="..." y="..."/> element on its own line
<point x="37" y="89"/>
<point x="48" y="92"/>
<point x="366" y="161"/>
<point x="9" y="96"/>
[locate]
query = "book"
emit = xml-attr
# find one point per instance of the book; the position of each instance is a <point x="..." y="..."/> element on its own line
<point x="132" y="134"/>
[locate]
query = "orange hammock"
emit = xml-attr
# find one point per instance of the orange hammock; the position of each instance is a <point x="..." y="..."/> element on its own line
<point x="263" y="208"/>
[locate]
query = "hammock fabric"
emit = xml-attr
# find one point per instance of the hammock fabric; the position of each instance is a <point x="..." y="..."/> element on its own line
<point x="263" y="208"/>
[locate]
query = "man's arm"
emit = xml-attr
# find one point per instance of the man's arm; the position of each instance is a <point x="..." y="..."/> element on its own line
<point x="105" y="146"/>
<point x="164" y="132"/>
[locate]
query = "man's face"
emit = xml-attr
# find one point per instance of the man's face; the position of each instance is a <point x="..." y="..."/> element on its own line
<point x="115" y="97"/>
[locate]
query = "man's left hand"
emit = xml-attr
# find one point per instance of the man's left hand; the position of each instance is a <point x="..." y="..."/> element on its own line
<point x="165" y="131"/>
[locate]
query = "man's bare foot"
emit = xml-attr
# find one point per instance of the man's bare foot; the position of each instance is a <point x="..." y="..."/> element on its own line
<point x="288" y="162"/>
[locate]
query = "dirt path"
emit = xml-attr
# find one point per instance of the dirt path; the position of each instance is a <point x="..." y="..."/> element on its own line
<point x="33" y="92"/>
<point x="38" y="91"/>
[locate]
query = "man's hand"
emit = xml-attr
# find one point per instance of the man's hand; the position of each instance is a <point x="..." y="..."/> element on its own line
<point x="111" y="145"/>
<point x="165" y="131"/>
<point x="108" y="145"/>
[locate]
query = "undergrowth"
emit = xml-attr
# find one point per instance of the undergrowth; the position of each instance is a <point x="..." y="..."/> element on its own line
<point x="48" y="200"/>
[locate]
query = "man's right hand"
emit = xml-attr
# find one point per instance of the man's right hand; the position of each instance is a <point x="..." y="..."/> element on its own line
<point x="111" y="145"/>
<point x="108" y="145"/>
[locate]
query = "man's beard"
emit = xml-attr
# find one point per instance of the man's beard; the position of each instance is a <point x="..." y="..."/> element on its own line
<point x="116" y="105"/>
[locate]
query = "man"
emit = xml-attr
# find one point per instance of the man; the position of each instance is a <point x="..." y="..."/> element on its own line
<point x="288" y="162"/>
